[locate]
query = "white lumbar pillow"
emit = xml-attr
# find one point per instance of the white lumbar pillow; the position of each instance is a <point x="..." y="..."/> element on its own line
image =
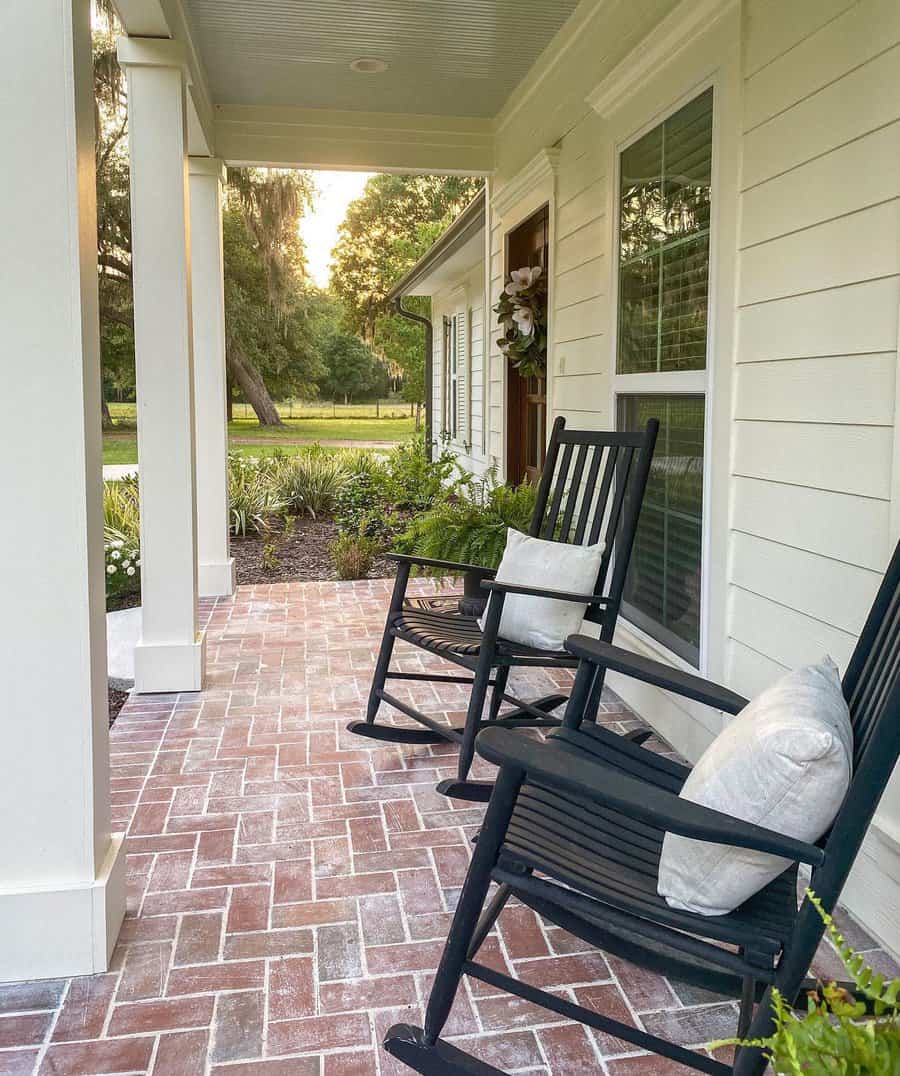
<point x="544" y="623"/>
<point x="783" y="763"/>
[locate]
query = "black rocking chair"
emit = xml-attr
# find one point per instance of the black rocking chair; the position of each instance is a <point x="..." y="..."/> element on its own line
<point x="588" y="809"/>
<point x="592" y="487"/>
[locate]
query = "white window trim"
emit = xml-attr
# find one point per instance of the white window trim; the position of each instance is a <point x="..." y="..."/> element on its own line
<point x="668" y="383"/>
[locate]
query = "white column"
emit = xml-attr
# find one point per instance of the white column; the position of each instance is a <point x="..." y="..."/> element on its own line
<point x="215" y="565"/>
<point x="62" y="874"/>
<point x="170" y="653"/>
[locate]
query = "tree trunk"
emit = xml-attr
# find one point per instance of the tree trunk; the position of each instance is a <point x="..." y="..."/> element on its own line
<point x="252" y="386"/>
<point x="229" y="398"/>
<point x="106" y="417"/>
<point x="418" y="417"/>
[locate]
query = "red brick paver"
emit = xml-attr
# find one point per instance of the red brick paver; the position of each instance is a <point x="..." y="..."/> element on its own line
<point x="290" y="885"/>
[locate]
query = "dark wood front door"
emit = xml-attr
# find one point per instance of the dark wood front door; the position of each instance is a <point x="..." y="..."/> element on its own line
<point x="526" y="397"/>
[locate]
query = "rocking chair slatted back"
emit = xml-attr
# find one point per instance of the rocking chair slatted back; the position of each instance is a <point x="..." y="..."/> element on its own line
<point x="872" y="674"/>
<point x="575" y="508"/>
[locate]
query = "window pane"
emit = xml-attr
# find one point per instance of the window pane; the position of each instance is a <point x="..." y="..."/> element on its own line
<point x="664" y="197"/>
<point x="682" y="317"/>
<point x="639" y="315"/>
<point x="662" y="591"/>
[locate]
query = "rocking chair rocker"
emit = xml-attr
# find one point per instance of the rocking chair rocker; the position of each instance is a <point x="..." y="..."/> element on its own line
<point x="574" y="830"/>
<point x="592" y="486"/>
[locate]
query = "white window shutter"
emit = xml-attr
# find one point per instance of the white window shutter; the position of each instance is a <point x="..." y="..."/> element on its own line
<point x="462" y="380"/>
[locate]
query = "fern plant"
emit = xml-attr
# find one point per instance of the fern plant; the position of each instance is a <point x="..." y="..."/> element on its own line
<point x="835" y="1037"/>
<point x="471" y="527"/>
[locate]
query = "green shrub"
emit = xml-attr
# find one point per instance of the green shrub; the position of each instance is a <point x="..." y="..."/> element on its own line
<point x="363" y="506"/>
<point x="414" y="482"/>
<point x="835" y="1037"/>
<point x="122" y="538"/>
<point x="310" y="481"/>
<point x="353" y="555"/>
<point x="471" y="527"/>
<point x="252" y="493"/>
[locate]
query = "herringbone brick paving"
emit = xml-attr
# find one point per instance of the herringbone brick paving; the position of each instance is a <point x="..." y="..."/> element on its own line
<point x="290" y="885"/>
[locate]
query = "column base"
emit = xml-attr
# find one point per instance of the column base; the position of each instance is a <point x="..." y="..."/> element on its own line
<point x="215" y="579"/>
<point x="48" y="933"/>
<point x="169" y="667"/>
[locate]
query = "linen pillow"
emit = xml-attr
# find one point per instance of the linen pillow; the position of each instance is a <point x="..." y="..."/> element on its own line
<point x="784" y="763"/>
<point x="544" y="623"/>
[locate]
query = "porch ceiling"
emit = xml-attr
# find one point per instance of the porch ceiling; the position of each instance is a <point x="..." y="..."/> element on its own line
<point x="270" y="80"/>
<point x="445" y="57"/>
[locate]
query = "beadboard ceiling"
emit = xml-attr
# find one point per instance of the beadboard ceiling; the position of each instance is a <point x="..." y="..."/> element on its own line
<point x="446" y="57"/>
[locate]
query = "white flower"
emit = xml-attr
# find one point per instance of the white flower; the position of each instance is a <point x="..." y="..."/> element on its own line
<point x="524" y="319"/>
<point x="115" y="554"/>
<point x="130" y="571"/>
<point x="110" y="569"/>
<point x="525" y="277"/>
<point x="126" y="563"/>
<point x="138" y="561"/>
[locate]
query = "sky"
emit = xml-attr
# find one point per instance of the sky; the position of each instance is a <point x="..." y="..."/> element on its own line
<point x="319" y="228"/>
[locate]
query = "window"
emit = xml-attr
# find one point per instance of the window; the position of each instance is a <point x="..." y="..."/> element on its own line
<point x="663" y="293"/>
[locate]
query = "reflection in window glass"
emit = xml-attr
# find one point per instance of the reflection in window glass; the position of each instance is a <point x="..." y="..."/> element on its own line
<point x="664" y="213"/>
<point x="662" y="591"/>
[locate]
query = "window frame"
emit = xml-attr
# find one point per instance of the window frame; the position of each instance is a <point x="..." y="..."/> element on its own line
<point x="673" y="383"/>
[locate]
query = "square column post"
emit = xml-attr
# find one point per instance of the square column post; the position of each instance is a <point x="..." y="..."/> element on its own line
<point x="170" y="653"/>
<point x="62" y="873"/>
<point x="215" y="565"/>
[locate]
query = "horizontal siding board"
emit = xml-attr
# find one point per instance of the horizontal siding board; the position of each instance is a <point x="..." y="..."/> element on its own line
<point x="860" y="174"/>
<point x="773" y="27"/>
<point x="586" y="356"/>
<point x="589" y="205"/>
<point x="785" y="635"/>
<point x="854" y="37"/>
<point x="846" y="527"/>
<point x="582" y="392"/>
<point x="585" y="282"/>
<point x="749" y="672"/>
<point x="829" y="590"/>
<point x="856" y="389"/>
<point x="844" y="459"/>
<point x="577" y="175"/>
<point x="581" y="246"/>
<point x="852" y="320"/>
<point x="862" y="246"/>
<point x="862" y="101"/>
<point x="587" y="318"/>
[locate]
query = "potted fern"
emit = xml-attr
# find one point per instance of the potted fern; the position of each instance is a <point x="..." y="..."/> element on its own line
<point x="836" y="1037"/>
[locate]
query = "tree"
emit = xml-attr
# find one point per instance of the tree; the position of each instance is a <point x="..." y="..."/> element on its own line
<point x="268" y="348"/>
<point x="351" y="368"/>
<point x="267" y="303"/>
<point x="384" y="233"/>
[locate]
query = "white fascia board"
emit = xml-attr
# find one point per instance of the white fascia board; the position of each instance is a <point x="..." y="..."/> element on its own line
<point x="364" y="141"/>
<point x="455" y="267"/>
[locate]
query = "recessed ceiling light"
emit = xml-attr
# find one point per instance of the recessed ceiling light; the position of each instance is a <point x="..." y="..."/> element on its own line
<point x="368" y="65"/>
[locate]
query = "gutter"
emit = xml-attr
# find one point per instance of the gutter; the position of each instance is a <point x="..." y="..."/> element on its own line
<point x="429" y="368"/>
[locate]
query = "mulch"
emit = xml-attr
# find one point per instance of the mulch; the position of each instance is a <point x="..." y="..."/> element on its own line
<point x="301" y="554"/>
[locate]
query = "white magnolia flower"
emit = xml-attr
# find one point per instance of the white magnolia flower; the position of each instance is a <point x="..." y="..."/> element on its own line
<point x="126" y="563"/>
<point x="115" y="554"/>
<point x="110" y="569"/>
<point x="524" y="277"/>
<point x="524" y="319"/>
<point x="130" y="571"/>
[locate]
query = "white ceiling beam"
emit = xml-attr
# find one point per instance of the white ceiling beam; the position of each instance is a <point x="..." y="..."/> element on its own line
<point x="363" y="141"/>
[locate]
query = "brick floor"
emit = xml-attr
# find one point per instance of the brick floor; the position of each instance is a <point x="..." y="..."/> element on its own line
<point x="290" y="885"/>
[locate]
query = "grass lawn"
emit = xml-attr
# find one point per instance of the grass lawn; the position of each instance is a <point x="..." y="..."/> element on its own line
<point x="120" y="444"/>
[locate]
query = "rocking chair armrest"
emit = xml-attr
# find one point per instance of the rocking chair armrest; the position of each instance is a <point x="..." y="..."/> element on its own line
<point x="556" y="764"/>
<point x="540" y="592"/>
<point x="656" y="673"/>
<point x="447" y="565"/>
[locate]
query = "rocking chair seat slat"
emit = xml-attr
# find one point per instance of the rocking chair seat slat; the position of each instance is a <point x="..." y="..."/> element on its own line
<point x="446" y="633"/>
<point x="603" y="855"/>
